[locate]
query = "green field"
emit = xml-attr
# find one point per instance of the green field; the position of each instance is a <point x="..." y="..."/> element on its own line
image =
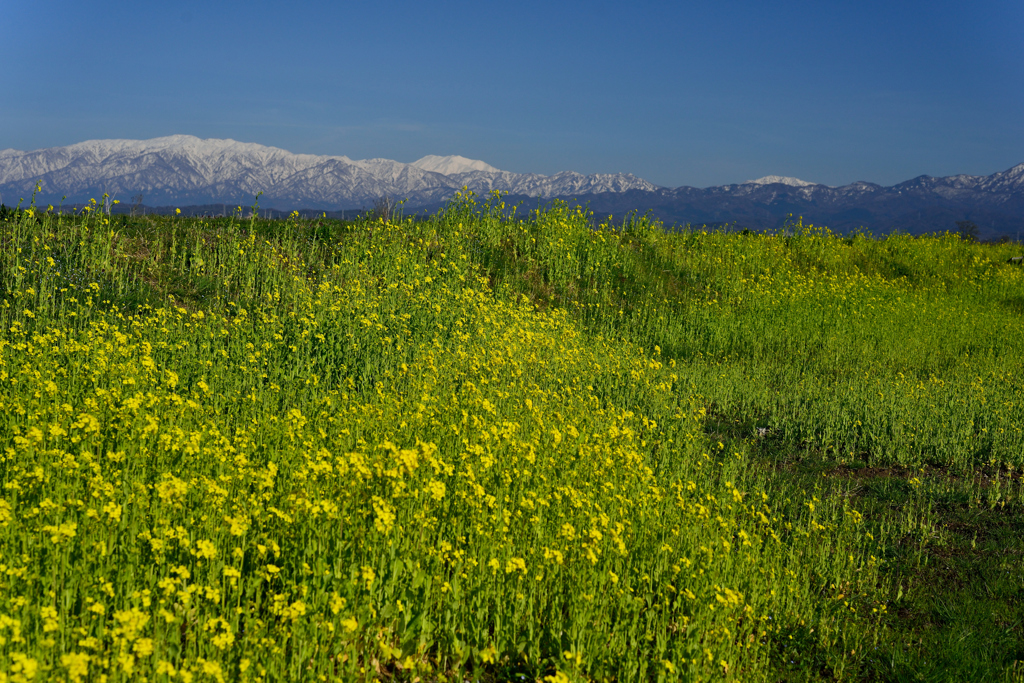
<point x="490" y="446"/>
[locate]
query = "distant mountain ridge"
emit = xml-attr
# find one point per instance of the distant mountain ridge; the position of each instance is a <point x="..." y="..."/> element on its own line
<point x="995" y="203"/>
<point x="185" y="170"/>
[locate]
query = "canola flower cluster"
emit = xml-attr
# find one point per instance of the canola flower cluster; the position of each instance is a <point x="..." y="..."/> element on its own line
<point x="358" y="458"/>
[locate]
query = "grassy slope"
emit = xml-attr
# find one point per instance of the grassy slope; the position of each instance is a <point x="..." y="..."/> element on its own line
<point x="885" y="373"/>
<point x="884" y="370"/>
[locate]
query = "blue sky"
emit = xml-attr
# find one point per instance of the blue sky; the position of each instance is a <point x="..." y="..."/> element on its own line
<point x="678" y="93"/>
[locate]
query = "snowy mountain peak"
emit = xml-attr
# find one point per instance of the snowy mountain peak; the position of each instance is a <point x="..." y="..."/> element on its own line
<point x="781" y="180"/>
<point x="450" y="165"/>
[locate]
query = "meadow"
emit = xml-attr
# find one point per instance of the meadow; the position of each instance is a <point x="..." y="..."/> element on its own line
<point x="489" y="446"/>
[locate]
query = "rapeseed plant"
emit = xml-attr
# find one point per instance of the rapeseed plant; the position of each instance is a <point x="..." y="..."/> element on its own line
<point x="232" y="452"/>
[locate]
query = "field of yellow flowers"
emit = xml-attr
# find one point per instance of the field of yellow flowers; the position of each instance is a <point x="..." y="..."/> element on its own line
<point x="479" y="446"/>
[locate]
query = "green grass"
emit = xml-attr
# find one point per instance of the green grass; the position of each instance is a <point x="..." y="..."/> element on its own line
<point x="492" y="446"/>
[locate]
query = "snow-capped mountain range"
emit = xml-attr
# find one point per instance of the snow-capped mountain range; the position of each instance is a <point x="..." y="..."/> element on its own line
<point x="182" y="170"/>
<point x="995" y="203"/>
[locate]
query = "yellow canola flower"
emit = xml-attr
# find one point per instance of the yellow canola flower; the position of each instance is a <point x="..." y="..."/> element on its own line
<point x="6" y="513"/>
<point x="76" y="664"/>
<point x="436" y="489"/>
<point x="61" y="533"/>
<point x="515" y="564"/>
<point x="368" y="575"/>
<point x="23" y="667"/>
<point x="205" y="549"/>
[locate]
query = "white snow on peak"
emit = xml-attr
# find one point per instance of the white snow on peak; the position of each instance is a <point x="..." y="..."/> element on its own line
<point x="780" y="179"/>
<point x="450" y="165"/>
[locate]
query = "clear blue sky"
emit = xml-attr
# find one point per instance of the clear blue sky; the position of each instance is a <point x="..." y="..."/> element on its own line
<point x="678" y="93"/>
